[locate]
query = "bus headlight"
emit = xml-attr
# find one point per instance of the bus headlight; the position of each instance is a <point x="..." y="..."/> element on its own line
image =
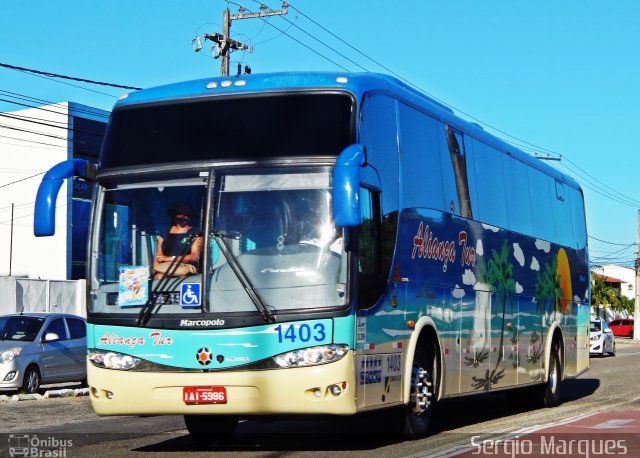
<point x="113" y="360"/>
<point x="311" y="356"/>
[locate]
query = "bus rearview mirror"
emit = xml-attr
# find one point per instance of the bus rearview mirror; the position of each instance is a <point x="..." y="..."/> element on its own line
<point x="45" y="209"/>
<point x="346" y="186"/>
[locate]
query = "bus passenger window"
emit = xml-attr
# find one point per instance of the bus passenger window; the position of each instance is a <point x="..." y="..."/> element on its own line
<point x="376" y="243"/>
<point x="455" y="142"/>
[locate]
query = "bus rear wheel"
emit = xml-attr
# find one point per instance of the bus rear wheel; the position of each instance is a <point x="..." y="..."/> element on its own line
<point x="417" y="414"/>
<point x="211" y="429"/>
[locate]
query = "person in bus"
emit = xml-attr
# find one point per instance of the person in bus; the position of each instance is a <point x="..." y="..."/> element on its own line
<point x="178" y="247"/>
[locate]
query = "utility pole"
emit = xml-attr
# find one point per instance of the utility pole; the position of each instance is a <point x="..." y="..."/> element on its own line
<point x="636" y="314"/>
<point x="11" y="242"/>
<point x="224" y="43"/>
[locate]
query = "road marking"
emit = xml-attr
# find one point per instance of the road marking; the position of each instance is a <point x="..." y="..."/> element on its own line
<point x="611" y="424"/>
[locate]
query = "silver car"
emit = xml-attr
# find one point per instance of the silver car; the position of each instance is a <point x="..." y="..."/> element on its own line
<point x="41" y="348"/>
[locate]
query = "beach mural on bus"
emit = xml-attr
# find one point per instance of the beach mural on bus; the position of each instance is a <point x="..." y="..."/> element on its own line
<point x="492" y="294"/>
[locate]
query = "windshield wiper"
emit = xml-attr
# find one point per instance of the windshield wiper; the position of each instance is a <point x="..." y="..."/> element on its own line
<point x="267" y="315"/>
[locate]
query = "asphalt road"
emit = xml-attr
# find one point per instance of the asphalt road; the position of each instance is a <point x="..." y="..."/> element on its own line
<point x="609" y="385"/>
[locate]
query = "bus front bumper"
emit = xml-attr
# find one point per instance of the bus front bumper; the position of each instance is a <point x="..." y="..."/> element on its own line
<point x="305" y="390"/>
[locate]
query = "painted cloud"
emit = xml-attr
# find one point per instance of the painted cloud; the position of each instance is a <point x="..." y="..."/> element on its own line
<point x="458" y="292"/>
<point x="535" y="265"/>
<point x="468" y="278"/>
<point x="490" y="228"/>
<point x="518" y="254"/>
<point x="543" y="245"/>
<point x="479" y="248"/>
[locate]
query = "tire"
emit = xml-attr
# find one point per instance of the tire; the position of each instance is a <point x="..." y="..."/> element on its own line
<point x="551" y="397"/>
<point x="417" y="414"/>
<point x="31" y="380"/>
<point x="211" y="429"/>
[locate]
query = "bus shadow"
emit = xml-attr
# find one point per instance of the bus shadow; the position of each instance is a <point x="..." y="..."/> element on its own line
<point x="372" y="431"/>
<point x="310" y="434"/>
<point x="491" y="406"/>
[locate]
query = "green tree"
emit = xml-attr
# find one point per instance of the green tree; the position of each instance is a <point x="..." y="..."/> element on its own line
<point x="602" y="295"/>
<point x="624" y="305"/>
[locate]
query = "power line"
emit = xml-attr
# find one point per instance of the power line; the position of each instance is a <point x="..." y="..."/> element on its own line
<point x="55" y="75"/>
<point x="27" y="98"/>
<point x="612" y="243"/>
<point x="296" y="40"/>
<point x="616" y="196"/>
<point x="43" y="122"/>
<point x="4" y="126"/>
<point x="318" y="40"/>
<point x="22" y="179"/>
<point x="31" y="141"/>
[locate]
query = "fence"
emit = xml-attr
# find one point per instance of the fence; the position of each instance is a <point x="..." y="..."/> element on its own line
<point x="33" y="295"/>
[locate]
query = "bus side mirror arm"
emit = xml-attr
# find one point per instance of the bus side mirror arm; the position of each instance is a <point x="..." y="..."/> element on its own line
<point x="45" y="210"/>
<point x="346" y="186"/>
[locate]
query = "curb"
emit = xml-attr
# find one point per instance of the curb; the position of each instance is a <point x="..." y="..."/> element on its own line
<point x="64" y="393"/>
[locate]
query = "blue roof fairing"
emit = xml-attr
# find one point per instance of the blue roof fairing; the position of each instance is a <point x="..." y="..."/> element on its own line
<point x="357" y="84"/>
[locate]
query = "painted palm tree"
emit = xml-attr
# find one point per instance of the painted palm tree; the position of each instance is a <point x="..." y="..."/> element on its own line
<point x="553" y="277"/>
<point x="498" y="272"/>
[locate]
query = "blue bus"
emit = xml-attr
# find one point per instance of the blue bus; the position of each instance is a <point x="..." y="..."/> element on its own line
<point x="339" y="244"/>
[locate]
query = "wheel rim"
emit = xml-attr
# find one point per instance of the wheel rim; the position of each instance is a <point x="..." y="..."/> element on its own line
<point x="32" y="381"/>
<point x="421" y="392"/>
<point x="553" y="376"/>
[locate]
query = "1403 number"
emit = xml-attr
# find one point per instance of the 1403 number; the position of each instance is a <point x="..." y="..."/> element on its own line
<point x="303" y="332"/>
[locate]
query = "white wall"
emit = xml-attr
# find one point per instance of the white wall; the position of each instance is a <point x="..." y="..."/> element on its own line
<point x="628" y="277"/>
<point x="22" y="155"/>
<point x="29" y="146"/>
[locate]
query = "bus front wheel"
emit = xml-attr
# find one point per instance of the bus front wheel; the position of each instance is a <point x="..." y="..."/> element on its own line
<point x="211" y="429"/>
<point x="417" y="414"/>
<point x="551" y="397"/>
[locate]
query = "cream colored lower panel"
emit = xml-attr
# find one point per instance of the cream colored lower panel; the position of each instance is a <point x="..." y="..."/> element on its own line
<point x="282" y="391"/>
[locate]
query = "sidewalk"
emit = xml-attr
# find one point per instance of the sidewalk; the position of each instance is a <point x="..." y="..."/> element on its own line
<point x="627" y="341"/>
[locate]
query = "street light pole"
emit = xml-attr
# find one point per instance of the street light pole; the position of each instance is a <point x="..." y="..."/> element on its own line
<point x="636" y="314"/>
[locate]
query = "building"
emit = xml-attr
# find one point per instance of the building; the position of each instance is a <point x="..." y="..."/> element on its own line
<point x="31" y="142"/>
<point x="622" y="279"/>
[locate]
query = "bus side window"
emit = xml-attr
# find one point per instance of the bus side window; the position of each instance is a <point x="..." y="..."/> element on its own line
<point x="376" y="243"/>
<point x="541" y="192"/>
<point x="577" y="217"/>
<point x="455" y="143"/>
<point x="562" y="216"/>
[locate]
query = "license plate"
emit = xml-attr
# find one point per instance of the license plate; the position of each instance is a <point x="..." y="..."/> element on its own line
<point x="204" y="395"/>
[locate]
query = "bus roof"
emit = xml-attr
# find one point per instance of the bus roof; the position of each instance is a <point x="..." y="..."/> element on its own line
<point x="356" y="83"/>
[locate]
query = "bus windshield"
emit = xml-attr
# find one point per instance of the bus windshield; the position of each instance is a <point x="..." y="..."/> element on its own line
<point x="271" y="244"/>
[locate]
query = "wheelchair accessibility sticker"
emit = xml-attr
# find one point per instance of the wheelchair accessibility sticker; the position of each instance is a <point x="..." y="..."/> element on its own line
<point x="190" y="295"/>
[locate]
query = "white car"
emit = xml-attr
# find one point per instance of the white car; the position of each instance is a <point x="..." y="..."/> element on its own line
<point x="601" y="338"/>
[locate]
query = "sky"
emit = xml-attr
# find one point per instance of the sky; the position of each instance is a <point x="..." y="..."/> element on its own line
<point x="555" y="78"/>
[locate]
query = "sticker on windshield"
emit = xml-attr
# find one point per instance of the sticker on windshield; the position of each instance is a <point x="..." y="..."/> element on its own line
<point x="133" y="286"/>
<point x="190" y="295"/>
